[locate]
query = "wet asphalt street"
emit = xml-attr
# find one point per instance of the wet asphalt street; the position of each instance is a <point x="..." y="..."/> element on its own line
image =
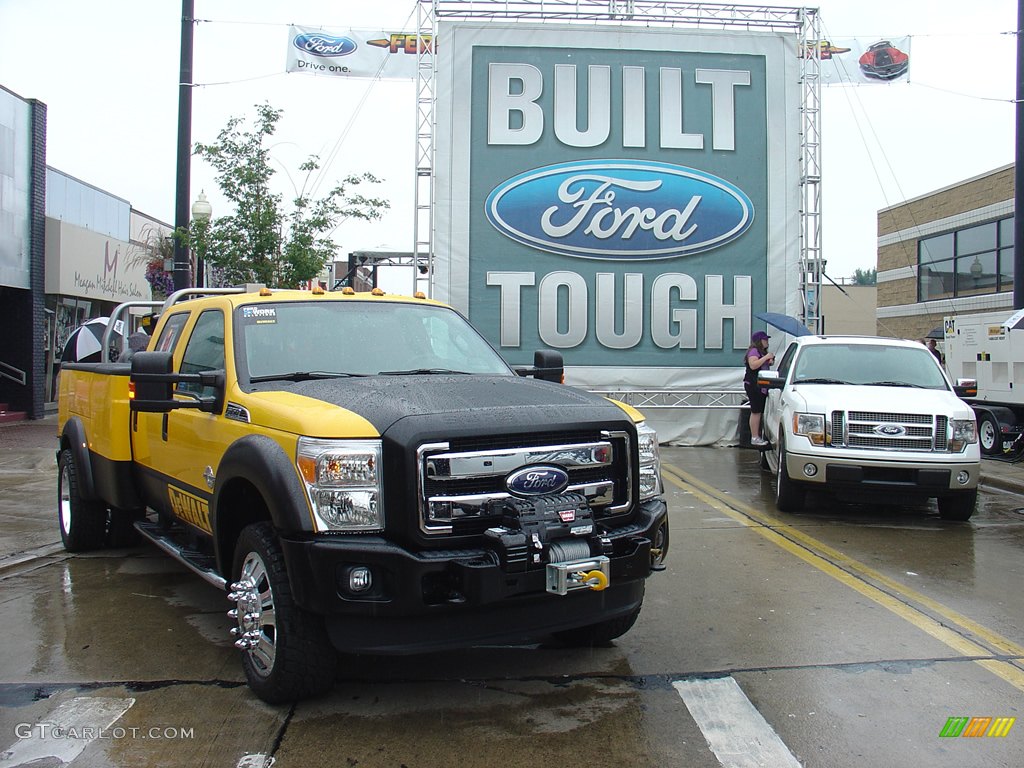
<point x="842" y="636"/>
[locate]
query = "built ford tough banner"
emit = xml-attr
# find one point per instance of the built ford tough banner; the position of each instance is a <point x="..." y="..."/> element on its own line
<point x="627" y="197"/>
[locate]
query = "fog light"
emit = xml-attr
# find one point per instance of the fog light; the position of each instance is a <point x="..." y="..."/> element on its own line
<point x="810" y="470"/>
<point x="963" y="476"/>
<point x="359" y="579"/>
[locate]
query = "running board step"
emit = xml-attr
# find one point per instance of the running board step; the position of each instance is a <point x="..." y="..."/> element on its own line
<point x="197" y="562"/>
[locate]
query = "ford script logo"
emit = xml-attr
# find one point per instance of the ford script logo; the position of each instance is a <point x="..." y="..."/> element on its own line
<point x="320" y="44"/>
<point x="536" y="481"/>
<point x="619" y="209"/>
<point x="890" y="430"/>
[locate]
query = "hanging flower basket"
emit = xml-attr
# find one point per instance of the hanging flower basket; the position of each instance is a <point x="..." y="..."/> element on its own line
<point x="160" y="280"/>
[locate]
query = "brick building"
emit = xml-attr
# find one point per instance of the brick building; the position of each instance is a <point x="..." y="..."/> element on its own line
<point x="947" y="252"/>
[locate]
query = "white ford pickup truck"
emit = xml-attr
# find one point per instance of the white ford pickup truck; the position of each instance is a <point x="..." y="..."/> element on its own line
<point x="868" y="418"/>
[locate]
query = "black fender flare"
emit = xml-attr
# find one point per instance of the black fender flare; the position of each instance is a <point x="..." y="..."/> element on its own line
<point x="73" y="438"/>
<point x="263" y="464"/>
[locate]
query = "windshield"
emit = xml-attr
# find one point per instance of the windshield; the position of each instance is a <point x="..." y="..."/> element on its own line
<point x="324" y="339"/>
<point x="861" y="364"/>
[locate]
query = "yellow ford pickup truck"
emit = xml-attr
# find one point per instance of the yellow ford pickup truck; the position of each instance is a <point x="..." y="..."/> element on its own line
<point x="362" y="473"/>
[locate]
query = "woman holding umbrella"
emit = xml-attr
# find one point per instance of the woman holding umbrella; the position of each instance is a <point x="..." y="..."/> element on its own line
<point x="756" y="358"/>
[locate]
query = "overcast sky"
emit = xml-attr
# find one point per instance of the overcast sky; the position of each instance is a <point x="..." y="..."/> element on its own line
<point x="108" y="71"/>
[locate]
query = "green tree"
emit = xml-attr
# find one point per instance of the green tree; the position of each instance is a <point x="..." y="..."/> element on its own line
<point x="865" y="276"/>
<point x="260" y="241"/>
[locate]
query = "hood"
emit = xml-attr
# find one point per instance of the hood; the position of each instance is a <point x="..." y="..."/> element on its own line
<point x="825" y="398"/>
<point x="468" y="401"/>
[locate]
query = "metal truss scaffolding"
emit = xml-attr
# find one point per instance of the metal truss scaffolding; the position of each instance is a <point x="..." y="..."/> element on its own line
<point x="803" y="22"/>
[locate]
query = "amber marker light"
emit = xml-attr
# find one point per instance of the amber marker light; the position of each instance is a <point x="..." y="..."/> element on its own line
<point x="307" y="465"/>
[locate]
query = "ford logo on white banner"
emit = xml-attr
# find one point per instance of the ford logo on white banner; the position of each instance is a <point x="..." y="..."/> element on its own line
<point x="536" y="481"/>
<point x="619" y="209"/>
<point x="320" y="44"/>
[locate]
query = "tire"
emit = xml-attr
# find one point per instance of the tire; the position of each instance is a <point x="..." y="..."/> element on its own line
<point x="598" y="634"/>
<point x="286" y="653"/>
<point x="789" y="495"/>
<point x="83" y="523"/>
<point x="959" y="506"/>
<point x="990" y="435"/>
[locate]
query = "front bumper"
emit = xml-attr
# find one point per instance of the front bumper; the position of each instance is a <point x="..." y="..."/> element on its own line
<point x="449" y="598"/>
<point x="905" y="475"/>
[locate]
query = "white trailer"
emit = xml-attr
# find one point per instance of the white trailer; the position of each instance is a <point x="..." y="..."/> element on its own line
<point x="988" y="348"/>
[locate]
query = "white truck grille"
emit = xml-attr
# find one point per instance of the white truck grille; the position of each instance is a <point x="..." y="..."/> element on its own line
<point x="878" y="430"/>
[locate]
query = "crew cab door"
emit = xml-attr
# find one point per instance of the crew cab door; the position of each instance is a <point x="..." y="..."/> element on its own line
<point x="178" y="452"/>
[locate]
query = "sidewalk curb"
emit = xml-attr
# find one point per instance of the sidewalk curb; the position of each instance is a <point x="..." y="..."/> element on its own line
<point x="1002" y="483"/>
<point x="14" y="561"/>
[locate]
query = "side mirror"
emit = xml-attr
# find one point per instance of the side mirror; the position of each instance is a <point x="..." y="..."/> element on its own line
<point x="154" y="382"/>
<point x="966" y="388"/>
<point x="770" y="379"/>
<point x="548" y="366"/>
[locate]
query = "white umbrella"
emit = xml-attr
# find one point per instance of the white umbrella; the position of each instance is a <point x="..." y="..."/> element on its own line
<point x="86" y="343"/>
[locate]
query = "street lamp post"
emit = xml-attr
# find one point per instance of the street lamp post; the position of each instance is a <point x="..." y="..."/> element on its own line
<point x="181" y="259"/>
<point x="202" y="211"/>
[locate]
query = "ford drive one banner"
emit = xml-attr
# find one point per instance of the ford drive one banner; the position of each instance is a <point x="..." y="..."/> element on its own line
<point x="627" y="197"/>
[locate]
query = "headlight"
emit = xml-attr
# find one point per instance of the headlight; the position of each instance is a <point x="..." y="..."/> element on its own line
<point x="343" y="483"/>
<point x="811" y="426"/>
<point x="650" y="461"/>
<point x="965" y="432"/>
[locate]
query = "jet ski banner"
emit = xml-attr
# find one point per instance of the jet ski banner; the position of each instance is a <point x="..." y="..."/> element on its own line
<point x="865" y="60"/>
<point x="354" y="52"/>
<point x="627" y="196"/>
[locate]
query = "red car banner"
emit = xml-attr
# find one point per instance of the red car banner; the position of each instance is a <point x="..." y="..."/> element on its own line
<point x="863" y="60"/>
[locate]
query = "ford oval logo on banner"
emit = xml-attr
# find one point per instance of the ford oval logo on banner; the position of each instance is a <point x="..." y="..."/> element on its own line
<point x="537" y="481"/>
<point x="619" y="209"/>
<point x="320" y="44"/>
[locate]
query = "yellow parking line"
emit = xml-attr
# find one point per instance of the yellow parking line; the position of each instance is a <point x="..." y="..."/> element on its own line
<point x="821" y="556"/>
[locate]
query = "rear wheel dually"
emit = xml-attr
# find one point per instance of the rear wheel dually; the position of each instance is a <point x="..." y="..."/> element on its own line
<point x="83" y="522"/>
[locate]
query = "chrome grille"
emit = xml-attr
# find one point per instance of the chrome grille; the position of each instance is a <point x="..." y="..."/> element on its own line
<point x="460" y="486"/>
<point x="941" y="433"/>
<point x="878" y="430"/>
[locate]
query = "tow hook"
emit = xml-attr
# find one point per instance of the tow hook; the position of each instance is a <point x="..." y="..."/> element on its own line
<point x="592" y="573"/>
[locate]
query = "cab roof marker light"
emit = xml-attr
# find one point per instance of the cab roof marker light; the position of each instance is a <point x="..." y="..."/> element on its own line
<point x="376" y="292"/>
<point x="264" y="291"/>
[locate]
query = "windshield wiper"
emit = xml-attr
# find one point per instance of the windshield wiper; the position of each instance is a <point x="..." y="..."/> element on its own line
<point x="893" y="384"/>
<point x="422" y="372"/>
<point x="820" y="380"/>
<point x="303" y="376"/>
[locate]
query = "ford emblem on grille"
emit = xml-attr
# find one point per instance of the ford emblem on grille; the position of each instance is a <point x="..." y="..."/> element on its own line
<point x="537" y="481"/>
<point x="890" y="430"/>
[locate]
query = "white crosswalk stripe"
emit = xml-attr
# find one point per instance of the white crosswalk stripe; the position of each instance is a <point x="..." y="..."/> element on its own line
<point x="736" y="732"/>
<point x="72" y="727"/>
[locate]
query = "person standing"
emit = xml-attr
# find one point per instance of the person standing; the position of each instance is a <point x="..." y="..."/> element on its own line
<point x="930" y="343"/>
<point x="756" y="358"/>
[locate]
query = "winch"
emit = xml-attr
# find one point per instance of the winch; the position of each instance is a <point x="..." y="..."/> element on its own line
<point x="555" y="532"/>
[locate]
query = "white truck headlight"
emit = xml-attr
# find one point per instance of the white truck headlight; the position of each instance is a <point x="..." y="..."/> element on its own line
<point x="343" y="483"/>
<point x="811" y="426"/>
<point x="650" y="461"/>
<point x="965" y="432"/>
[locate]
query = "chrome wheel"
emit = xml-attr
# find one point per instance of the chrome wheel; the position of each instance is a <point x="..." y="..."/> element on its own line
<point x="254" y="611"/>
